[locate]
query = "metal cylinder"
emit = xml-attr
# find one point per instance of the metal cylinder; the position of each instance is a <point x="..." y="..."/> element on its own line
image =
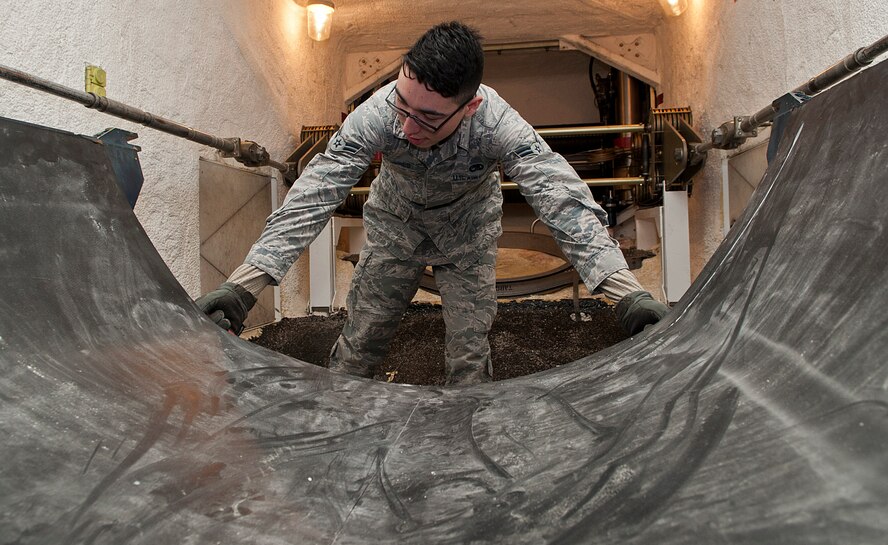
<point x="629" y="112"/>
<point x="629" y="94"/>
<point x="590" y="130"/>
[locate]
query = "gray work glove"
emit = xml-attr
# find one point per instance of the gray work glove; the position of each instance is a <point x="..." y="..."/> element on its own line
<point x="638" y="310"/>
<point x="228" y="306"/>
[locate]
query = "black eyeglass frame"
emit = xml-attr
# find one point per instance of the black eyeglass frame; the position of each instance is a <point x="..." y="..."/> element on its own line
<point x="424" y="124"/>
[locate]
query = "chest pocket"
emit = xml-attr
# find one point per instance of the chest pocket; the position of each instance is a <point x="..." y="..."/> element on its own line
<point x="403" y="176"/>
<point x="467" y="172"/>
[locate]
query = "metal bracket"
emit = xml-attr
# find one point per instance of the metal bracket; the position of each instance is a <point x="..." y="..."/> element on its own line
<point x="789" y="102"/>
<point x="124" y="159"/>
<point x="680" y="162"/>
<point x="730" y="134"/>
<point x="247" y="153"/>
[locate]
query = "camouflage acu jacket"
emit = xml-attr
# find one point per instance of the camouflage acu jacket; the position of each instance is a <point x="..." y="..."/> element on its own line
<point x="449" y="194"/>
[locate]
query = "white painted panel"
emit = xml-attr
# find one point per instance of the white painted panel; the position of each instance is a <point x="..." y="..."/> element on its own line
<point x="234" y="204"/>
<point x="322" y="270"/>
<point x="745" y="171"/>
<point x="676" y="245"/>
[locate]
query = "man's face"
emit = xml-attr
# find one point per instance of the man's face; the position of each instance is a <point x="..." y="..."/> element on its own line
<point x="427" y="111"/>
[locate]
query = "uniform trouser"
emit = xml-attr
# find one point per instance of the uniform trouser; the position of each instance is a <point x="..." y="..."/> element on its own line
<point x="382" y="288"/>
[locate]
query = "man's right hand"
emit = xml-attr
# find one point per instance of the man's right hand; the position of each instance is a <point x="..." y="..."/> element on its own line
<point x="228" y="306"/>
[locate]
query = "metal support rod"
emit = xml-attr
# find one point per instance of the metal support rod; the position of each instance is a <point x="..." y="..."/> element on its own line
<point x="835" y="73"/>
<point x="590" y="129"/>
<point x="733" y="133"/>
<point x="233" y="147"/>
<point x="595" y="182"/>
<point x="591" y="182"/>
<point x="517" y="46"/>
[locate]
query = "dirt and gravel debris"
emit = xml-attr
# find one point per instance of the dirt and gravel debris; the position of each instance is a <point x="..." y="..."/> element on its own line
<point x="527" y="337"/>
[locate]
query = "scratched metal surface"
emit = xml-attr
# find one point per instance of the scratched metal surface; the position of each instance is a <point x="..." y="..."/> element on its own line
<point x="755" y="414"/>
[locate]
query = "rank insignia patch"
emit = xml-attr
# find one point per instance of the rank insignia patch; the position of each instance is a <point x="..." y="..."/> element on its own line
<point x="341" y="145"/>
<point x="528" y="150"/>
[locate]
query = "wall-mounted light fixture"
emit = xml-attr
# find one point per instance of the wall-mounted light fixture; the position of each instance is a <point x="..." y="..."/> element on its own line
<point x="674" y="7"/>
<point x="320" y="19"/>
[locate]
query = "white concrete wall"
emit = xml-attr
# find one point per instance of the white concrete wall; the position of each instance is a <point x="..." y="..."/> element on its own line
<point x="229" y="68"/>
<point x="303" y="82"/>
<point x="733" y="58"/>
<point x="546" y="87"/>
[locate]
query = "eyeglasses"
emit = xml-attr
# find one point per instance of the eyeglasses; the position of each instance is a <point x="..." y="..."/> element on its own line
<point x="418" y="120"/>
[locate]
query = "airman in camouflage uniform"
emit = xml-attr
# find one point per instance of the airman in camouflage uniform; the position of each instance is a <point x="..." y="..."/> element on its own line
<point x="436" y="202"/>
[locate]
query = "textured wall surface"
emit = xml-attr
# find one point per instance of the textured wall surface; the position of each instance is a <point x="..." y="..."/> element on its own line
<point x="371" y="26"/>
<point x="733" y="58"/>
<point x="191" y="62"/>
<point x="300" y="79"/>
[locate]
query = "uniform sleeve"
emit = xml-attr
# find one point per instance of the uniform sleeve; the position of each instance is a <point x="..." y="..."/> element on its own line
<point x="561" y="200"/>
<point x="322" y="187"/>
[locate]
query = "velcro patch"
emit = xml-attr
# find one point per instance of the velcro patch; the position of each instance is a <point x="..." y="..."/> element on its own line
<point x="340" y="144"/>
<point x="529" y="150"/>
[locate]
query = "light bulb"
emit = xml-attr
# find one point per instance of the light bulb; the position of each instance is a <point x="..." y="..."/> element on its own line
<point x="674" y="7"/>
<point x="320" y="19"/>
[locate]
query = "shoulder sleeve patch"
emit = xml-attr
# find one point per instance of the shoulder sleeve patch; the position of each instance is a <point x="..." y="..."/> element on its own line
<point x="341" y="145"/>
<point x="528" y="150"/>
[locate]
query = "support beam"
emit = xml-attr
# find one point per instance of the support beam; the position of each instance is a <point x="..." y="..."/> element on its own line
<point x="591" y="48"/>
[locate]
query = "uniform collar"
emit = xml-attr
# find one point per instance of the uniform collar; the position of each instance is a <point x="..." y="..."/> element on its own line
<point x="445" y="148"/>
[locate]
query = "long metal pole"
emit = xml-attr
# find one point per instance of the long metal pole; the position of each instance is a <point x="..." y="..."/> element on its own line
<point x="590" y="129"/>
<point x="835" y="73"/>
<point x="231" y="146"/>
<point x="591" y="182"/>
<point x="728" y="137"/>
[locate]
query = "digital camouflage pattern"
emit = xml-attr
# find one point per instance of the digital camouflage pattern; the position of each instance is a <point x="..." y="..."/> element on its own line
<point x="382" y="287"/>
<point x="439" y="206"/>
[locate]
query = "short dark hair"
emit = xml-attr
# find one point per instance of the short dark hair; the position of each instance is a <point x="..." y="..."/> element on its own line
<point x="448" y="59"/>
